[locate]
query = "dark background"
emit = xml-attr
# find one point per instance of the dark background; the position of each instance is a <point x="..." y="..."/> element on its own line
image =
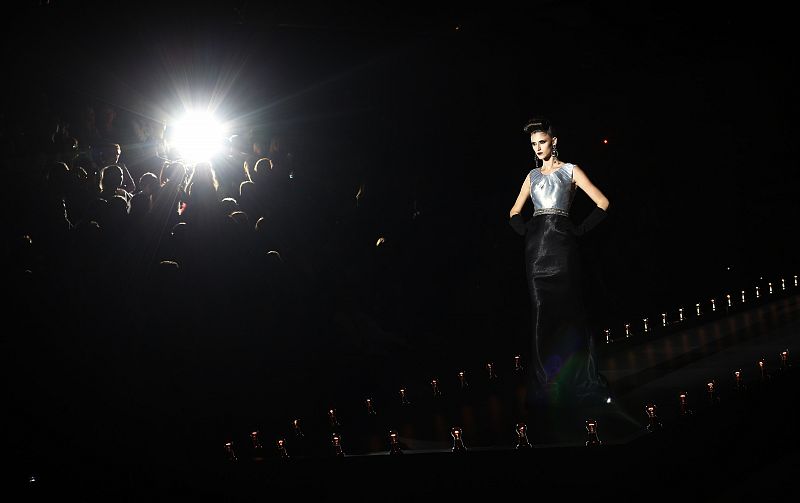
<point x="423" y="107"/>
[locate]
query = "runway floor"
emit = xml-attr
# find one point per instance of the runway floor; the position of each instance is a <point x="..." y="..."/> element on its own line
<point x="738" y="443"/>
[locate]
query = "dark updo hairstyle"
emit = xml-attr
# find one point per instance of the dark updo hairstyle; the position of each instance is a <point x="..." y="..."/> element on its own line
<point x="539" y="123"/>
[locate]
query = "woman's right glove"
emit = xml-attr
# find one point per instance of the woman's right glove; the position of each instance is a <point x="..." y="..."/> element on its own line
<point x="518" y="224"/>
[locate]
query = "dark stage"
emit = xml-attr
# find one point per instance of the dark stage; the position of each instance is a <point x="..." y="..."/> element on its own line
<point x="737" y="443"/>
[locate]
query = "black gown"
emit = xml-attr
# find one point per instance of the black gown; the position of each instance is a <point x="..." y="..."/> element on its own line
<point x="563" y="368"/>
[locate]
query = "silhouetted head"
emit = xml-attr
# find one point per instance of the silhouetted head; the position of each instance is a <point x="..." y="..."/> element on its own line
<point x="106" y="153"/>
<point x="241" y="218"/>
<point x="110" y="178"/>
<point x="263" y="166"/>
<point x="117" y="207"/>
<point x="148" y="183"/>
<point x="228" y="205"/>
<point x="238" y="144"/>
<point x="246" y="189"/>
<point x="172" y="171"/>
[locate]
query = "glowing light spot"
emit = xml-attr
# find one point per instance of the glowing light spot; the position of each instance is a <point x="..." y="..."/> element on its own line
<point x="196" y="137"/>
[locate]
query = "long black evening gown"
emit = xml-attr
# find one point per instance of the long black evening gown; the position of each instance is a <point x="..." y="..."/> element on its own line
<point x="564" y="367"/>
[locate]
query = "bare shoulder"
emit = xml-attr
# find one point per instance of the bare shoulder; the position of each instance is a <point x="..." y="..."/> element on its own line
<point x="578" y="174"/>
<point x="527" y="181"/>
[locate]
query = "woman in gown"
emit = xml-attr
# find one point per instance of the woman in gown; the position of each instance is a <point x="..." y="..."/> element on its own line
<point x="563" y="366"/>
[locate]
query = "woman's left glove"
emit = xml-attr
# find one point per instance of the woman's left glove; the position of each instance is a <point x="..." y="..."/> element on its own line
<point x="518" y="224"/>
<point x="597" y="215"/>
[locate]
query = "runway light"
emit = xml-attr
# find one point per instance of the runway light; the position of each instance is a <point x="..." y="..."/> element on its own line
<point x="258" y="448"/>
<point x="522" y="436"/>
<point x="196" y="137"/>
<point x="654" y="423"/>
<point x="230" y="455"/>
<point x="296" y="427"/>
<point x="685" y="411"/>
<point x="334" y="421"/>
<point x="394" y="445"/>
<point x="592" y="440"/>
<point x="282" y="449"/>
<point x="336" y="442"/>
<point x="458" y="440"/>
<point x="737" y="375"/>
<point x="462" y="380"/>
<point x="712" y="392"/>
<point x="435" y="387"/>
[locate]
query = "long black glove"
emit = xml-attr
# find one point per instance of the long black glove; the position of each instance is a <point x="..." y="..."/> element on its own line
<point x="518" y="224"/>
<point x="597" y="215"/>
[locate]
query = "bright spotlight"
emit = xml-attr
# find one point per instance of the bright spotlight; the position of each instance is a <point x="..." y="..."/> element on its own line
<point x="196" y="137"/>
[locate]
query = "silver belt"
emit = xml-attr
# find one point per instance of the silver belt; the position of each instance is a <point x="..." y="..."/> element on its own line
<point x="550" y="211"/>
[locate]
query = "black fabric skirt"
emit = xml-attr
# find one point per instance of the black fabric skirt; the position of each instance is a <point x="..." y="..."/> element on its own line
<point x="563" y="365"/>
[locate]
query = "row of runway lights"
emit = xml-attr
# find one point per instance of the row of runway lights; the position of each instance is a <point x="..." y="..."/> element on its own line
<point x="681" y="317"/>
<point x="654" y="423"/>
<point x="521" y="430"/>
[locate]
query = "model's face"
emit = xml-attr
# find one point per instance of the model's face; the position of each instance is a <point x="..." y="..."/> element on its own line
<point x="542" y="144"/>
